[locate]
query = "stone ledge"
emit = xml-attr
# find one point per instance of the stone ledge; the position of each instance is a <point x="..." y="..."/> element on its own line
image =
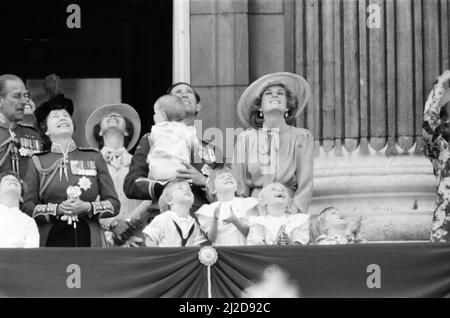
<point x="394" y="195"/>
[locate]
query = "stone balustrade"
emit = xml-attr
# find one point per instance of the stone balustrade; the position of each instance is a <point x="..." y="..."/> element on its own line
<point x="395" y="195"/>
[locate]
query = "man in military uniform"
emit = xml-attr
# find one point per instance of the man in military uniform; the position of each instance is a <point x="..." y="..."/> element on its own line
<point x="18" y="141"/>
<point x="136" y="185"/>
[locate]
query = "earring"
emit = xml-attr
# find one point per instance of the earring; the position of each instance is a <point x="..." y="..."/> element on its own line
<point x="260" y="114"/>
<point x="286" y="114"/>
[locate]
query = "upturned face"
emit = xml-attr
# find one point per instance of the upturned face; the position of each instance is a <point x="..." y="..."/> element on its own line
<point x="12" y="105"/>
<point x="182" y="194"/>
<point x="276" y="195"/>
<point x="273" y="99"/>
<point x="335" y="220"/>
<point x="186" y="93"/>
<point x="59" y="124"/>
<point x="10" y="183"/>
<point x="113" y="121"/>
<point x="224" y="182"/>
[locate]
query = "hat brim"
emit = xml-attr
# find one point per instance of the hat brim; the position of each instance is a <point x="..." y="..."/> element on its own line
<point x="295" y="83"/>
<point x="124" y="109"/>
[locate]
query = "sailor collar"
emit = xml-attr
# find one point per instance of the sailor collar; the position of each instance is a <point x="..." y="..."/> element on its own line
<point x="6" y="123"/>
<point x="57" y="148"/>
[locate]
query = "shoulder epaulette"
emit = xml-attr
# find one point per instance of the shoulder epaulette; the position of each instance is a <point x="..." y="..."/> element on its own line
<point x="87" y="149"/>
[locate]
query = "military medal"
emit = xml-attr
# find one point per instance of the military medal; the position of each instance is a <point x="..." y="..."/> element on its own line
<point x="23" y="152"/>
<point x="210" y="154"/>
<point x="206" y="170"/>
<point x="26" y="147"/>
<point x="83" y="168"/>
<point x="84" y="183"/>
<point x="207" y="154"/>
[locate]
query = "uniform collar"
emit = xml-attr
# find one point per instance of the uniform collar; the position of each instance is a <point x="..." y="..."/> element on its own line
<point x="106" y="150"/>
<point x="56" y="148"/>
<point x="6" y="123"/>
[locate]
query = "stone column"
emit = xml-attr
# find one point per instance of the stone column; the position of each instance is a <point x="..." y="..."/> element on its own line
<point x="219" y="63"/>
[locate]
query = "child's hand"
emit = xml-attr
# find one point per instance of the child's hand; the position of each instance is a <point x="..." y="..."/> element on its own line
<point x="217" y="211"/>
<point x="135" y="241"/>
<point x="284" y="239"/>
<point x="354" y="226"/>
<point x="232" y="218"/>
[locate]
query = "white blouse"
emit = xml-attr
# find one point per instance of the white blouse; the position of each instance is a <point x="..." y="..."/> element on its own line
<point x="266" y="229"/>
<point x="17" y="229"/>
<point x="227" y="233"/>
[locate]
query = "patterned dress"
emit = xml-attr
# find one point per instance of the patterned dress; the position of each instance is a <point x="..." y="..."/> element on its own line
<point x="437" y="150"/>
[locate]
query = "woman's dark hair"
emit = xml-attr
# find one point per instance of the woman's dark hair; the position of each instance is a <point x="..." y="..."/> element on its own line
<point x="291" y="103"/>
<point x="197" y="96"/>
<point x="46" y="142"/>
<point x="128" y="127"/>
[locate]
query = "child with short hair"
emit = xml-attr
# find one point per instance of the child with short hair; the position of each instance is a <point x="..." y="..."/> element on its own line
<point x="330" y="227"/>
<point x="274" y="225"/>
<point x="225" y="220"/>
<point x="171" y="140"/>
<point x="174" y="227"/>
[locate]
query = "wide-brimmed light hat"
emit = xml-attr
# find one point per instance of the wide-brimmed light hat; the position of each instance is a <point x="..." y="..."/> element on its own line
<point x="295" y="83"/>
<point x="125" y="110"/>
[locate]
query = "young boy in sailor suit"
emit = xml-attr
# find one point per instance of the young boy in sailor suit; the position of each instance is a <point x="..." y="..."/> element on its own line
<point x="174" y="227"/>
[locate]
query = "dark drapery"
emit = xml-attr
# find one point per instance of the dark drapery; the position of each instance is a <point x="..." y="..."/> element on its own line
<point x="406" y="270"/>
<point x="115" y="272"/>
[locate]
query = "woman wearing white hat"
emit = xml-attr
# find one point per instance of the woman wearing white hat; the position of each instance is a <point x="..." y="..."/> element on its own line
<point x="272" y="149"/>
<point x="114" y="129"/>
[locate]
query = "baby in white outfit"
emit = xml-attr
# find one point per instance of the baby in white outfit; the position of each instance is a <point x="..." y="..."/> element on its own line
<point x="171" y="140"/>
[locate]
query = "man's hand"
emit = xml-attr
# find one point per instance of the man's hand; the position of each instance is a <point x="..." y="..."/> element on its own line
<point x="193" y="175"/>
<point x="123" y="230"/>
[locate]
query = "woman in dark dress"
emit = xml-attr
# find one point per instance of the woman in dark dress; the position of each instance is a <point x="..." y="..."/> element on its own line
<point x="69" y="189"/>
